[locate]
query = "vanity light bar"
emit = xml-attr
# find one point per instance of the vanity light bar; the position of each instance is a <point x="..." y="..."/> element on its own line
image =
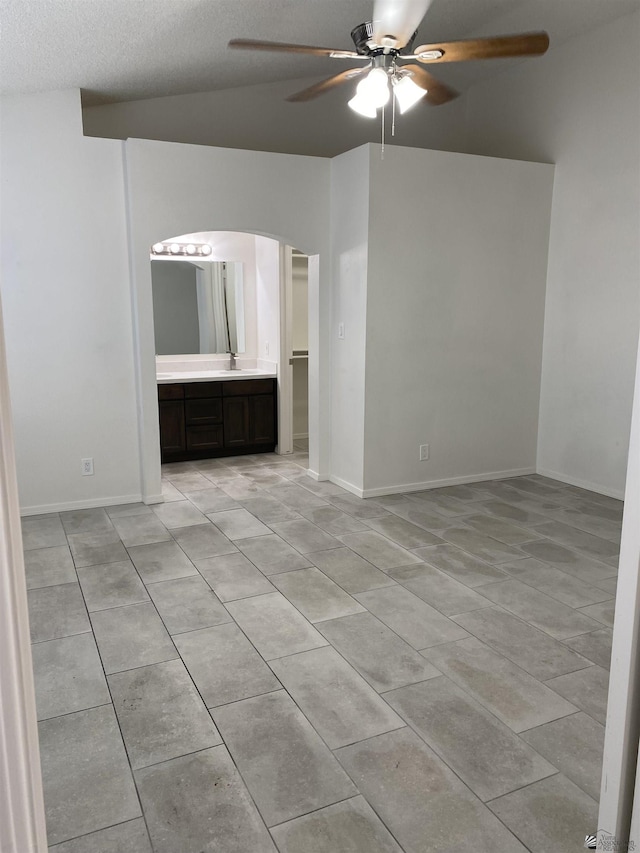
<point x="174" y="250"/>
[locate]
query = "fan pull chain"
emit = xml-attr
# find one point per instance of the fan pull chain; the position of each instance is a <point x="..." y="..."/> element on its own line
<point x="382" y="149"/>
<point x="393" y="114"/>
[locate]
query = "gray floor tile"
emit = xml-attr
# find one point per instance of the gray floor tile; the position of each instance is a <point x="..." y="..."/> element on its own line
<point x="403" y="532"/>
<point x="438" y="589"/>
<point x="240" y="488"/>
<point x="443" y="505"/>
<point x="603" y="613"/>
<point x="111" y="585"/>
<point x="376" y="652"/>
<point x="332" y="520"/>
<point x="411" y="618"/>
<point x="267" y="509"/>
<point x="160" y="713"/>
<point x="179" y="514"/>
<point x="588" y="570"/>
<point x="170" y="493"/>
<point x="238" y="524"/>
<point x="608" y="585"/>
<point x="503" y="509"/>
<point x="574" y="745"/>
<point x="463" y="492"/>
<point x="337" y="701"/>
<point x="233" y="576"/>
<point x="569" y="536"/>
<point x="161" y="561"/>
<point x="551" y="815"/>
<point x="295" y="497"/>
<point x="224" y="665"/>
<point x="463" y="567"/>
<point x="538" y="609"/>
<point x="199" y="804"/>
<point x="304" y="536"/>
<point x="272" y="555"/>
<point x="129" y="837"/>
<point x="349" y="570"/>
<point x="322" y="488"/>
<point x="188" y="480"/>
<point x="500" y="529"/>
<point x="270" y="739"/>
<point x="514" y="696"/>
<point x="274" y="625"/>
<point x="131" y="636"/>
<point x="481" y="546"/>
<point x="532" y="650"/>
<point x="187" y="604"/>
<point x="86" y="521"/>
<point x="68" y="676"/>
<point x="357" y="507"/>
<point x="487" y="755"/>
<point x="315" y="595"/>
<point x="533" y="487"/>
<point x="141" y="529"/>
<point x="57" y="611"/>
<point x="86" y="777"/>
<point x="348" y="826"/>
<point x="554" y="582"/>
<point x="212" y="499"/>
<point x="93" y="549"/>
<point x="203" y="540"/>
<point x="49" y="566"/>
<point x="42" y="532"/>
<point x="378" y="550"/>
<point x="595" y="646"/>
<point x="123" y="510"/>
<point x="416" y="512"/>
<point x="263" y="477"/>
<point x="587" y="689"/>
<point x="420" y="799"/>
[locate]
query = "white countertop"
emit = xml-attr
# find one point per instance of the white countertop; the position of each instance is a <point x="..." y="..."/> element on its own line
<point x="167" y="378"/>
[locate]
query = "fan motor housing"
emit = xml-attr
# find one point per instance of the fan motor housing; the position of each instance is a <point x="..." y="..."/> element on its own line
<point x="362" y="35"/>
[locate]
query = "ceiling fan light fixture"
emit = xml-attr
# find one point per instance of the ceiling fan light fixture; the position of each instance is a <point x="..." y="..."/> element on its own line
<point x="375" y="88"/>
<point x="407" y="93"/>
<point x="361" y="105"/>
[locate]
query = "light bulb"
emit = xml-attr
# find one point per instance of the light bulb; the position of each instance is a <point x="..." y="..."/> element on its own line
<point x="407" y="93"/>
<point x="158" y="248"/>
<point x="191" y="249"/>
<point x="361" y="105"/>
<point x="206" y="250"/>
<point x="375" y="88"/>
<point x="175" y="248"/>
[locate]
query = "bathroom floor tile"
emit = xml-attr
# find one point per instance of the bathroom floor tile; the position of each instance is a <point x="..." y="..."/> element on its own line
<point x="403" y="532"/>
<point x="295" y="497"/>
<point x="86" y="521"/>
<point x="349" y="570"/>
<point x="161" y="561"/>
<point x="233" y="576"/>
<point x="587" y="569"/>
<point x="460" y="565"/>
<point x="481" y="546"/>
<point x="602" y="613"/>
<point x="187" y="604"/>
<point x="42" y="532"/>
<point x="269" y="738"/>
<point x="179" y="514"/>
<point x="378" y="550"/>
<point x="267" y="509"/>
<point x="131" y="636"/>
<point x="357" y="507"/>
<point x="554" y="582"/>
<point x="332" y="520"/>
<point x="500" y="529"/>
<point x="141" y="529"/>
<point x="238" y="524"/>
<point x="131" y="836"/>
<point x="93" y="549"/>
<point x="595" y="646"/>
<point x="212" y="499"/>
<point x="438" y="589"/>
<point x="315" y="595"/>
<point x="160" y="713"/>
<point x="203" y="540"/>
<point x="57" y="611"/>
<point x="224" y="665"/>
<point x="304" y="536"/>
<point x="272" y="555"/>
<point x="587" y="689"/>
<point x="111" y="585"/>
<point x="49" y="566"/>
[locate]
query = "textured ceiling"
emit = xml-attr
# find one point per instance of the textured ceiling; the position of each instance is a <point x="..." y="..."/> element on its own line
<point x="122" y="50"/>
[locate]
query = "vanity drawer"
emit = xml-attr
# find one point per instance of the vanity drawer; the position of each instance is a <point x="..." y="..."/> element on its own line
<point x="170" y="392"/>
<point x="203" y="389"/>
<point x="246" y="387"/>
<point x="205" y="437"/>
<point x="201" y="411"/>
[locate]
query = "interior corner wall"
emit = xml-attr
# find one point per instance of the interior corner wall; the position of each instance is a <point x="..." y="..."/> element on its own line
<point x="65" y="290"/>
<point x="457" y="259"/>
<point x="349" y="252"/>
<point x="562" y="110"/>
<point x="267" y="275"/>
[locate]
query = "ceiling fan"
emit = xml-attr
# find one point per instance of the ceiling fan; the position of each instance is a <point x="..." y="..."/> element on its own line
<point x="385" y="47"/>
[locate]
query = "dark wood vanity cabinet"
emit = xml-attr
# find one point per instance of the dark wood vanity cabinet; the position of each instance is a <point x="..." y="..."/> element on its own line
<point x="204" y="419"/>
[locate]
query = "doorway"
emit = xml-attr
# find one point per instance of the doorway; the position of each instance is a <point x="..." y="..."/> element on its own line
<point x="300" y="350"/>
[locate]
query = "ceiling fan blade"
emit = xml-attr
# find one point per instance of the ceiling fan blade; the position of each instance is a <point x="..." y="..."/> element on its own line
<point x="496" y="47"/>
<point x="327" y="85"/>
<point x="437" y="92"/>
<point x="284" y="47"/>
<point x="397" y="19"/>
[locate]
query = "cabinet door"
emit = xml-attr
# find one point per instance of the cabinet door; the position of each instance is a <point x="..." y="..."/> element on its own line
<point x="200" y="438"/>
<point x="236" y="421"/>
<point x="172" y="437"/>
<point x="262" y="429"/>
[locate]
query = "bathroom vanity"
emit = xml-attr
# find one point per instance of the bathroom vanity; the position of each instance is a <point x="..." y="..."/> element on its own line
<point x="216" y="413"/>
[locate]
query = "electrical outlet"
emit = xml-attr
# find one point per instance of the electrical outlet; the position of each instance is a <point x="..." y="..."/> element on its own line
<point x="424" y="452"/>
<point x="87" y="467"/>
<point x="341" y="331"/>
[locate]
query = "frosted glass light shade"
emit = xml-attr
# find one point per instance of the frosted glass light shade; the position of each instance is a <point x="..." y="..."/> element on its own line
<point x="361" y="105"/>
<point x="407" y="93"/>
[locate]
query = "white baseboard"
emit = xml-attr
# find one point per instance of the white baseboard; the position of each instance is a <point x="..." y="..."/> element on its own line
<point x="153" y="499"/>
<point x="437" y="484"/>
<point x="321" y="478"/>
<point x="349" y="487"/>
<point x="65" y="506"/>
<point x="298" y="435"/>
<point x="582" y="484"/>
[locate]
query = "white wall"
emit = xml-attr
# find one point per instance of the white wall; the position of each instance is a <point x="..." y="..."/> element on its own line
<point x="455" y="305"/>
<point x="178" y="189"/>
<point x="579" y="108"/>
<point x="349" y="249"/>
<point x="267" y="274"/>
<point x="259" y="118"/>
<point x="65" y="289"/>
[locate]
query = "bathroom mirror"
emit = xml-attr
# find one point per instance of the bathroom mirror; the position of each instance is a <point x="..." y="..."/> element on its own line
<point x="198" y="307"/>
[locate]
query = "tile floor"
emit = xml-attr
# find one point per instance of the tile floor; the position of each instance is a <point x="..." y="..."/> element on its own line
<point x="267" y="663"/>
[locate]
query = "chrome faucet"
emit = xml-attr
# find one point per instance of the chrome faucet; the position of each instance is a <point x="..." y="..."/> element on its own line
<point x="232" y="361"/>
